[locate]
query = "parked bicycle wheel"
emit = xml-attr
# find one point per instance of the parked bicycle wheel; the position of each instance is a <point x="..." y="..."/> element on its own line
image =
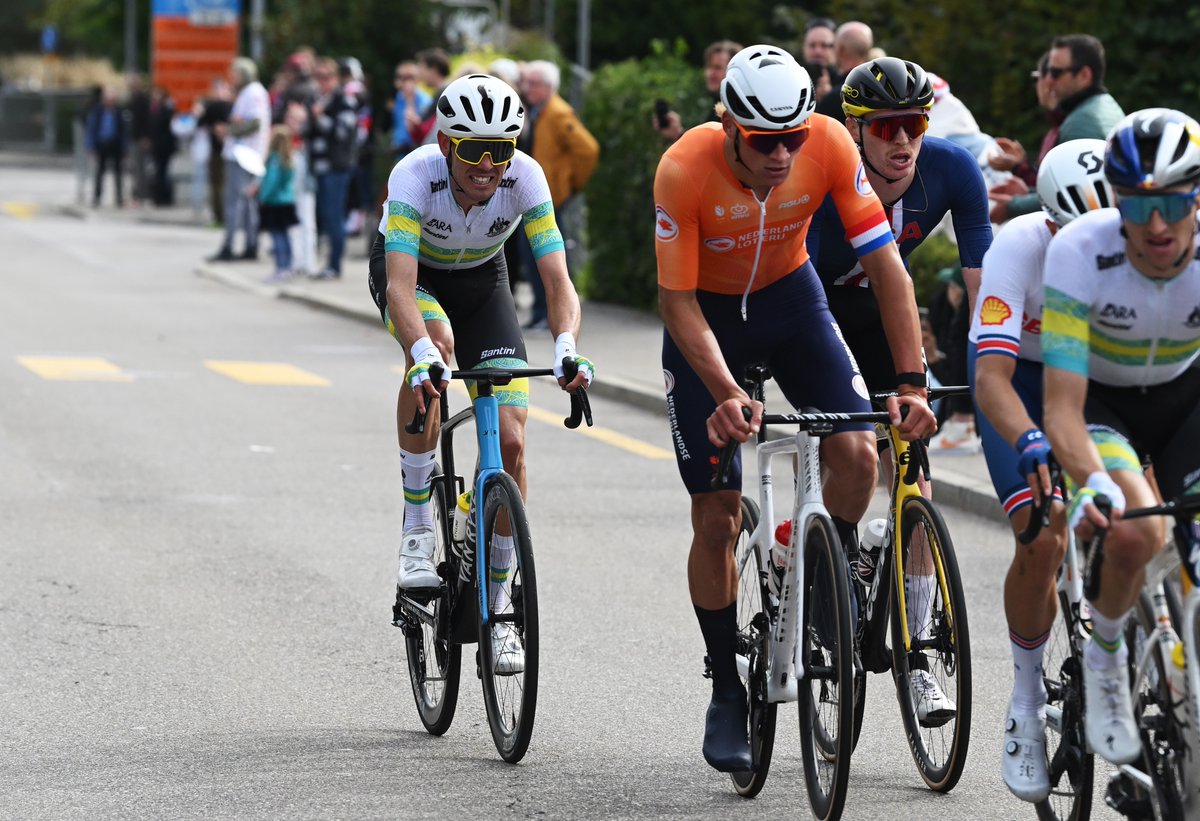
<point x="753" y="619"/>
<point x="939" y="659"/>
<point x="433" y="660"/>
<point x="508" y="636"/>
<point x="1072" y="765"/>
<point x="826" y="693"/>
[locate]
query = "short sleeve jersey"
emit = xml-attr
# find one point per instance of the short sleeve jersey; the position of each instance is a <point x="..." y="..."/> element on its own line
<point x="1106" y="320"/>
<point x="712" y="234"/>
<point x="422" y="218"/>
<point x="1008" y="311"/>
<point x="947" y="180"/>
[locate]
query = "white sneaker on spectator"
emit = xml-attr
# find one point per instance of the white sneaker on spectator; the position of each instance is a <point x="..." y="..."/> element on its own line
<point x="1108" y="721"/>
<point x="508" y="654"/>
<point x="1023" y="757"/>
<point x="934" y="708"/>
<point x="417" y="571"/>
<point x="956" y="437"/>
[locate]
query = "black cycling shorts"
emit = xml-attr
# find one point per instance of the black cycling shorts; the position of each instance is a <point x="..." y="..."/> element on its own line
<point x="789" y="329"/>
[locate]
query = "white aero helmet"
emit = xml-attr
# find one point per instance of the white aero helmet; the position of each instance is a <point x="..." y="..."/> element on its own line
<point x="1070" y="180"/>
<point x="765" y="88"/>
<point x="1152" y="149"/>
<point x="480" y="105"/>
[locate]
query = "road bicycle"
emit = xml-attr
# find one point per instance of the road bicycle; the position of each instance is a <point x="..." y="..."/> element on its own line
<point x="464" y="609"/>
<point x="1070" y="763"/>
<point x="929" y="634"/>
<point x="794" y="610"/>
<point x="1163" y="637"/>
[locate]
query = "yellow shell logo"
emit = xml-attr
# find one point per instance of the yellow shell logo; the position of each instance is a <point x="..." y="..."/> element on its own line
<point x="994" y="311"/>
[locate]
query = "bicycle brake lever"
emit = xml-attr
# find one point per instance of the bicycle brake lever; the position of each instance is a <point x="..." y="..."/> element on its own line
<point x="417" y="425"/>
<point x="1095" y="557"/>
<point x="721" y="476"/>
<point x="581" y="409"/>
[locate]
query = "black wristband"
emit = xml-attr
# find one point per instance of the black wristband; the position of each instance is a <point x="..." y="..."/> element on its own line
<point x="917" y="380"/>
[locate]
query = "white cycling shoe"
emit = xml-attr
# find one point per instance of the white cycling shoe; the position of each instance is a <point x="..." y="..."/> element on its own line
<point x="1023" y="757"/>
<point x="417" y="571"/>
<point x="934" y="708"/>
<point x="1108" y="721"/>
<point x="508" y="654"/>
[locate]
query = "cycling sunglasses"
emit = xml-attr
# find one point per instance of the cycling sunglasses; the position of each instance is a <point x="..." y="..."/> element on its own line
<point x="472" y="150"/>
<point x="765" y="142"/>
<point x="1139" y="208"/>
<point x="887" y="127"/>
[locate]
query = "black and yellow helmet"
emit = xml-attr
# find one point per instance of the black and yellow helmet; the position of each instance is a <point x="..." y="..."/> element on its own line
<point x="886" y="84"/>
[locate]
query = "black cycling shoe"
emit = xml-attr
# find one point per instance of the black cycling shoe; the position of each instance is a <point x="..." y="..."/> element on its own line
<point x="726" y="747"/>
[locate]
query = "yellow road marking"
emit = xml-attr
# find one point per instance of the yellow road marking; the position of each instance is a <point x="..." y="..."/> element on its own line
<point x="20" y="210"/>
<point x="75" y="369"/>
<point x="608" y="437"/>
<point x="266" y="373"/>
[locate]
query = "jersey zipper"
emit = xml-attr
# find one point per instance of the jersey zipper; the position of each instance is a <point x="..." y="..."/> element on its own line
<point x="762" y="224"/>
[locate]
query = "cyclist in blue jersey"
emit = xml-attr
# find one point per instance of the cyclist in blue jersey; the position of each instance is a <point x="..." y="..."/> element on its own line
<point x="920" y="180"/>
<point x="1005" y="362"/>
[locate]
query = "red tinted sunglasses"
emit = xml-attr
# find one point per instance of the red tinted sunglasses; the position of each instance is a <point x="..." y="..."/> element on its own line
<point x="886" y="128"/>
<point x="765" y="142"/>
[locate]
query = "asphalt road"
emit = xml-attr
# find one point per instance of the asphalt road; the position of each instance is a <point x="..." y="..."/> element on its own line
<point x="199" y="510"/>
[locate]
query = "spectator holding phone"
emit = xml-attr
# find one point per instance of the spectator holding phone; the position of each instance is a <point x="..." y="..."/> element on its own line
<point x="818" y="54"/>
<point x="716" y="57"/>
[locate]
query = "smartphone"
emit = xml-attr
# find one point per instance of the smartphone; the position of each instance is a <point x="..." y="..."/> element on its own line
<point x="661" y="109"/>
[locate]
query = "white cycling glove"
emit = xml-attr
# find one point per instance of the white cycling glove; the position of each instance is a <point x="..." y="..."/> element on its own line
<point x="564" y="347"/>
<point x="425" y="354"/>
<point x="1098" y="483"/>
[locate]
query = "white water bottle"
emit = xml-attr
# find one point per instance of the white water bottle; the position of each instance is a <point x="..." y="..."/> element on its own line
<point x="869" y="548"/>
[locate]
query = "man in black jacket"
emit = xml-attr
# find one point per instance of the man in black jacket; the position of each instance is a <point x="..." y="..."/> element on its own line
<point x="332" y="129"/>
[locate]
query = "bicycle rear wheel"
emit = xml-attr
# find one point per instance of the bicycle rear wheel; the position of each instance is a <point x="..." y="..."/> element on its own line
<point x="753" y="627"/>
<point x="826" y="692"/>
<point x="509" y="689"/>
<point x="1071" y="764"/>
<point x="940" y="655"/>
<point x="434" y="661"/>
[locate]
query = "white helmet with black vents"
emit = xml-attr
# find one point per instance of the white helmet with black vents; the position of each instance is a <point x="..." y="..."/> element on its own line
<point x="766" y="89"/>
<point x="480" y="105"/>
<point x="1070" y="180"/>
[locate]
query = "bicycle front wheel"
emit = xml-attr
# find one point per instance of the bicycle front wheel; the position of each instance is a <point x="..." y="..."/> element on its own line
<point x="753" y="628"/>
<point x="508" y="632"/>
<point x="434" y="661"/>
<point x="826" y="692"/>
<point x="1071" y="764"/>
<point x="933" y="672"/>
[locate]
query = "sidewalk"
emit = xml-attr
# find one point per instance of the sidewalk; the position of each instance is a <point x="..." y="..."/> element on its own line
<point x="624" y="343"/>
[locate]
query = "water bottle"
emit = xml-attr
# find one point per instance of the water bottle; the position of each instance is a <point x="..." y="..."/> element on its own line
<point x="1177" y="684"/>
<point x="466" y="567"/>
<point x="783" y="537"/>
<point x="461" y="510"/>
<point x="869" y="549"/>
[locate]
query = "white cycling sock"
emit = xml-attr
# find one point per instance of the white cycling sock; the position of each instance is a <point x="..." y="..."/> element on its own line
<point x="416" y="470"/>
<point x="918" y="598"/>
<point x="1029" y="689"/>
<point x="500" y="571"/>
<point x="1106" y="649"/>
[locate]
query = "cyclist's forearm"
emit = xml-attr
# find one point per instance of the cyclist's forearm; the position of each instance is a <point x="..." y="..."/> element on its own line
<point x="1066" y="427"/>
<point x="402" y="298"/>
<point x="562" y="301"/>
<point x="692" y="335"/>
<point x="997" y="399"/>
<point x="972" y="277"/>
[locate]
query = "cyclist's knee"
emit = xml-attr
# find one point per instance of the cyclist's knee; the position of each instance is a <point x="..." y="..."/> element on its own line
<point x="512" y="437"/>
<point x="852" y="460"/>
<point x="1131" y="544"/>
<point x="716" y="518"/>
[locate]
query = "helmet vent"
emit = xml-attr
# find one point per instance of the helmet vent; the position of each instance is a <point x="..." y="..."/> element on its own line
<point x="488" y="104"/>
<point x="1076" y="205"/>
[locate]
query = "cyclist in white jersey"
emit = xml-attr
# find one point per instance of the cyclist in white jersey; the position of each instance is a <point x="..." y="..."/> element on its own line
<point x="439" y="280"/>
<point x="1005" y="363"/>
<point x="1120" y="330"/>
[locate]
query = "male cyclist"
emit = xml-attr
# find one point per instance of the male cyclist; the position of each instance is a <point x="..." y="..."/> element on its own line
<point x="439" y="280"/>
<point x="735" y="287"/>
<point x="919" y="179"/>
<point x="1006" y="372"/>
<point x="1120" y="330"/>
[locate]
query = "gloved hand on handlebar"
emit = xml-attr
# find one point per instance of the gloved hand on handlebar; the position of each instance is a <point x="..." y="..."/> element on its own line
<point x="425" y="356"/>
<point x="564" y="348"/>
<point x="1098" y="483"/>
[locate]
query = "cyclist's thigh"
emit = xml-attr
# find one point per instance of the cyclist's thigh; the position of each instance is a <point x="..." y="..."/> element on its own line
<point x="868" y="344"/>
<point x="480" y="308"/>
<point x="1177" y="463"/>
<point x="1011" y="488"/>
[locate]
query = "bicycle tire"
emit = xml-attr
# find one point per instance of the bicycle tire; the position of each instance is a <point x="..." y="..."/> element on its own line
<point x="753" y="629"/>
<point x="510" y="699"/>
<point x="1071" y="764"/>
<point x="939" y="749"/>
<point x="826" y="700"/>
<point x="434" y="661"/>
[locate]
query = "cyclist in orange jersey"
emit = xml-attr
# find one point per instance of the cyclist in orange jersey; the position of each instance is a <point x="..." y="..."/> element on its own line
<point x="733" y="202"/>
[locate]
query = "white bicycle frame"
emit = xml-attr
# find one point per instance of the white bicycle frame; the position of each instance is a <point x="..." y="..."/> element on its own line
<point x="785" y="662"/>
<point x="1070" y="584"/>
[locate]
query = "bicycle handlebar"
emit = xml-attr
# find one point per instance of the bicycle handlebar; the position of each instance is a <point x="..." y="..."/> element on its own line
<point x="581" y="407"/>
<point x="1040" y="516"/>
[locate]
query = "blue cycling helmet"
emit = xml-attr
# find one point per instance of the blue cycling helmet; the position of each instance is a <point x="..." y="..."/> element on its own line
<point x="1153" y="149"/>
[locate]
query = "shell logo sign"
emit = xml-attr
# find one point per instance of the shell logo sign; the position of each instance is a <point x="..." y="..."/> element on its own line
<point x="994" y="311"/>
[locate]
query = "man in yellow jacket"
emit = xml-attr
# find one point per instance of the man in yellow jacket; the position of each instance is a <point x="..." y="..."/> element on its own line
<point x="566" y="151"/>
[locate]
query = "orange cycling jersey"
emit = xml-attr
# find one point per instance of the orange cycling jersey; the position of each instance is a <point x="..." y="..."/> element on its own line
<point x="712" y="233"/>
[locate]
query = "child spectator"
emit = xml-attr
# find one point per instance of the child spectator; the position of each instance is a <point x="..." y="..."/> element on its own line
<point x="277" y="201"/>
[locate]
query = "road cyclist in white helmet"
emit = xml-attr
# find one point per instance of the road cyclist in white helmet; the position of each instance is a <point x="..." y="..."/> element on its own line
<point x="438" y="277"/>
<point x="1120" y="333"/>
<point x="1005" y="363"/>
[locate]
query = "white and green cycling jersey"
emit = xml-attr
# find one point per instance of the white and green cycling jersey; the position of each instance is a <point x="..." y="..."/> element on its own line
<point x="422" y="218"/>
<point x="1105" y="320"/>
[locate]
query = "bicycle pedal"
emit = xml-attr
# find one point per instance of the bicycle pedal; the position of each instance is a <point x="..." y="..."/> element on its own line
<point x="1133" y="805"/>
